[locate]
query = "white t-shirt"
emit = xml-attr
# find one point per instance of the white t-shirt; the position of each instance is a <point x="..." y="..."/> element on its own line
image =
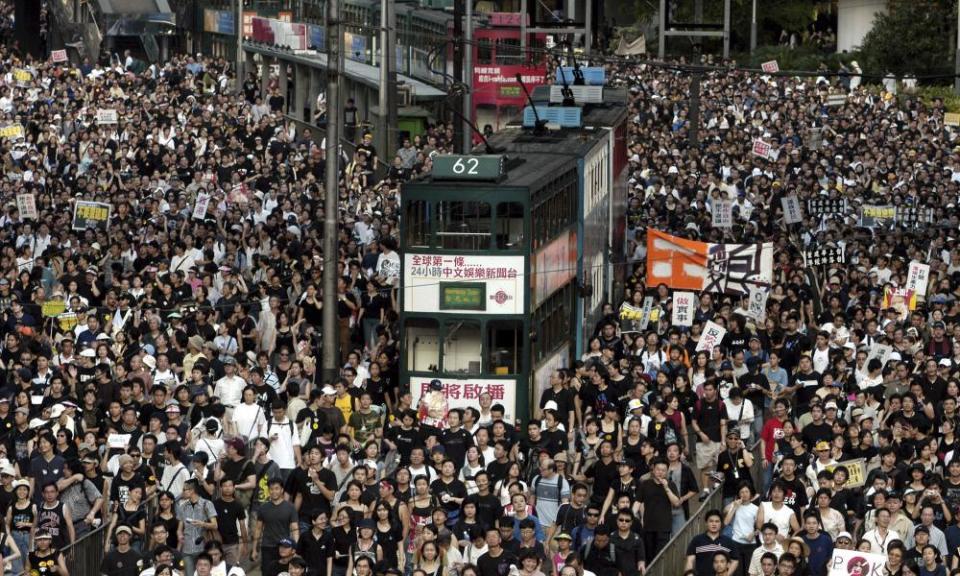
<point x="249" y="420"/>
<point x="283" y="437"/>
<point x="746" y="418"/>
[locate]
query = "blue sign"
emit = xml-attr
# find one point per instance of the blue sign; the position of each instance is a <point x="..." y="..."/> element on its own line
<point x="226" y="22"/>
<point x="592" y="75"/>
<point x="317" y="36"/>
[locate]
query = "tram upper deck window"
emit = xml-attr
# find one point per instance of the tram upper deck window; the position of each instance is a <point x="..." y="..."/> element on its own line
<point x="422" y="337"/>
<point x="509" y="225"/>
<point x="464" y="225"/>
<point x="462" y="348"/>
<point x="417" y="223"/>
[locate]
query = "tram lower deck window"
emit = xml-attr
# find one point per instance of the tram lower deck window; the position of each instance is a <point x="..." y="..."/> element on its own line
<point x="462" y="348"/>
<point x="505" y="346"/>
<point x="423" y="344"/>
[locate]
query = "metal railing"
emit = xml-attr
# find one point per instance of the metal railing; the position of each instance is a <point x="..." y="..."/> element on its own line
<point x="86" y="554"/>
<point x="671" y="561"/>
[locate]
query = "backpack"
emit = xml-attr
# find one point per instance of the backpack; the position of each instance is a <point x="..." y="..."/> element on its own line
<point x="589" y="548"/>
<point x="560" y="481"/>
<point x="271" y="423"/>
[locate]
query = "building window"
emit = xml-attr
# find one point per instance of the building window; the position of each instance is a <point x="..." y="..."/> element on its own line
<point x="464" y="225"/>
<point x="505" y="346"/>
<point x="462" y="348"/>
<point x="423" y="344"/>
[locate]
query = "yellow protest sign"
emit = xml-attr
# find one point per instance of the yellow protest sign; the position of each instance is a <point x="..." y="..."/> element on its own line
<point x="856" y="472"/>
<point x="11" y="131"/>
<point x="951" y="119"/>
<point x="68" y="321"/>
<point x="53" y="308"/>
<point x="22" y="76"/>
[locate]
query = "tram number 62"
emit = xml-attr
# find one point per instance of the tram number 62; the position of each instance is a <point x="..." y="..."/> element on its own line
<point x="468" y="166"/>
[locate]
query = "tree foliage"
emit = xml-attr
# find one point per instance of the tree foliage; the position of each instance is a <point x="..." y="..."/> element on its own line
<point x="909" y="39"/>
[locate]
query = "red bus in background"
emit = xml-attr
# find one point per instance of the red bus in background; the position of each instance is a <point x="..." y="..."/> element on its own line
<point x="497" y="59"/>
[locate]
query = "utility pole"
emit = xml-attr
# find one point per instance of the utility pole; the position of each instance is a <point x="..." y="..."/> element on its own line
<point x="753" y="28"/>
<point x="693" y="117"/>
<point x="468" y="80"/>
<point x="458" y="69"/>
<point x="241" y="70"/>
<point x="956" y="65"/>
<point x="331" y="332"/>
<point x="388" y="80"/>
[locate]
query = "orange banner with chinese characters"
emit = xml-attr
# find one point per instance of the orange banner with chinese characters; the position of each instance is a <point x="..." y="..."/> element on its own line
<point x="675" y="261"/>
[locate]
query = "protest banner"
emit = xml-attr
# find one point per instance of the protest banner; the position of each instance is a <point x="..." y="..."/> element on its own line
<point x="22" y="77"/>
<point x="792" y="213"/>
<point x="835" y="100"/>
<point x="53" y="308"/>
<point x="856" y="472"/>
<point x="645" y="313"/>
<point x="690" y="265"/>
<point x="11" y="131"/>
<point x="877" y="215"/>
<point x="200" y="208"/>
<point x="951" y="119"/>
<point x="630" y="317"/>
<point x="825" y="255"/>
<point x="57" y="56"/>
<point x="899" y="299"/>
<point x="761" y="148"/>
<point x="27" y="206"/>
<point x="91" y="215"/>
<point x="770" y="67"/>
<point x="107" y="116"/>
<point x="711" y="337"/>
<point x="826" y="206"/>
<point x="913" y="216"/>
<point x="722" y="213"/>
<point x="918" y="277"/>
<point x="758" y="302"/>
<point x="856" y="563"/>
<point x="682" y="314"/>
<point x="881" y="352"/>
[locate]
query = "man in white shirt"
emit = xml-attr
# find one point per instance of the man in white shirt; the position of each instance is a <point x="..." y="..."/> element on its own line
<point x="284" y="439"/>
<point x="230" y="388"/>
<point x="881" y="536"/>
<point x="768" y="533"/>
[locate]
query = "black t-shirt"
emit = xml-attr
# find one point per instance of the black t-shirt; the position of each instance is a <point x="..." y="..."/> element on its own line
<point x="809" y="384"/>
<point x="499" y="566"/>
<point x="117" y="563"/>
<point x="455" y="444"/>
<point x="406" y="441"/>
<point x="312" y="499"/>
<point x="563" y="398"/>
<point x="228" y="513"/>
<point x="656" y="506"/>
<point x="603" y="475"/>
<point x="812" y="433"/>
<point x="455" y="489"/>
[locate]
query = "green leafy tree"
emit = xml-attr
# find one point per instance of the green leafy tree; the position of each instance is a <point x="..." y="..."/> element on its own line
<point x="912" y="39"/>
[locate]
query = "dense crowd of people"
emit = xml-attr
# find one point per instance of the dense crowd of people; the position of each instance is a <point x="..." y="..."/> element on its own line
<point x="160" y="384"/>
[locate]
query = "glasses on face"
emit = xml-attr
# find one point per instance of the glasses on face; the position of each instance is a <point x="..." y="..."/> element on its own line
<point x="593" y="513"/>
<point x="623" y="520"/>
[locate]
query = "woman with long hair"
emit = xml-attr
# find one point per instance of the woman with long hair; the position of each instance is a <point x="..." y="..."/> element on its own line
<point x="45" y="557"/>
<point x="167" y="515"/>
<point x="366" y="545"/>
<point x="430" y="560"/>
<point x="473" y="464"/>
<point x="343" y="539"/>
<point x="587" y="443"/>
<point x="21" y="516"/>
<point x="502" y="487"/>
<point x="131" y="513"/>
<point x="352" y="494"/>
<point x="421" y="508"/>
<point x="388" y="534"/>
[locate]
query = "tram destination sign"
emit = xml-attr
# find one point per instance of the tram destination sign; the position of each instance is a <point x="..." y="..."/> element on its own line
<point x="462" y="167"/>
<point x="463" y="296"/>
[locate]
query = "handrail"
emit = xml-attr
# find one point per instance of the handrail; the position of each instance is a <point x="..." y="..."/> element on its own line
<point x="671" y="560"/>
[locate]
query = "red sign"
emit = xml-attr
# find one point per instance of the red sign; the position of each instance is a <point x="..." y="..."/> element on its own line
<point x="511" y="19"/>
<point x="770" y="67"/>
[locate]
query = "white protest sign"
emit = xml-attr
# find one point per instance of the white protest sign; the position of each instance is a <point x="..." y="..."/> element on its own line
<point x="856" y="563"/>
<point x="881" y="352"/>
<point x="917" y="279"/>
<point x="761" y="148"/>
<point x="118" y="440"/>
<point x="58" y="56"/>
<point x="647" y="307"/>
<point x="107" y="116"/>
<point x="200" y="208"/>
<point x="711" y="337"/>
<point x="27" y="206"/>
<point x="792" y="213"/>
<point x="722" y="213"/>
<point x="682" y="309"/>
<point x="758" y="302"/>
<point x="770" y="67"/>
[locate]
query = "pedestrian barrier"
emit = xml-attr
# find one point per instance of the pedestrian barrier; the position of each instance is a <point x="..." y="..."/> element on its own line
<point x="86" y="553"/>
<point x="671" y="561"/>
